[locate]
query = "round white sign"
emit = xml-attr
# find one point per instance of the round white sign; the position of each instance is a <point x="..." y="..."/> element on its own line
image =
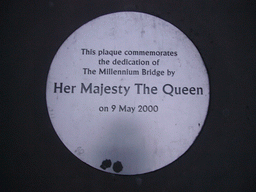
<point x="127" y="93"/>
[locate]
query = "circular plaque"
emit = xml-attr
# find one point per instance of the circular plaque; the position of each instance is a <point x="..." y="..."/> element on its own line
<point x="127" y="93"/>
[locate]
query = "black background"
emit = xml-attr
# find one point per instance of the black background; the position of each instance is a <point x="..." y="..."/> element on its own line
<point x="222" y="157"/>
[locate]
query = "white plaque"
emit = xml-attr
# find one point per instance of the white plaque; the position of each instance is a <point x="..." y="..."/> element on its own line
<point x="127" y="93"/>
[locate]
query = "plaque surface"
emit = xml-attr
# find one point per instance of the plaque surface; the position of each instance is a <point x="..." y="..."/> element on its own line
<point x="127" y="93"/>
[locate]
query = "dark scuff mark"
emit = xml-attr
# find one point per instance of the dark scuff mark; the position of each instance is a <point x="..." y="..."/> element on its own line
<point x="117" y="167"/>
<point x="142" y="32"/>
<point x="79" y="151"/>
<point x="138" y="181"/>
<point x="106" y="164"/>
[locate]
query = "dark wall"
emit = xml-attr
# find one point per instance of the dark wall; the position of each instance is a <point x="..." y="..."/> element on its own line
<point x="222" y="157"/>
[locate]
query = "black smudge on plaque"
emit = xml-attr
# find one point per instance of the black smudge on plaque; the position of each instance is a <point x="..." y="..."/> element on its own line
<point x="106" y="164"/>
<point x="117" y="167"/>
